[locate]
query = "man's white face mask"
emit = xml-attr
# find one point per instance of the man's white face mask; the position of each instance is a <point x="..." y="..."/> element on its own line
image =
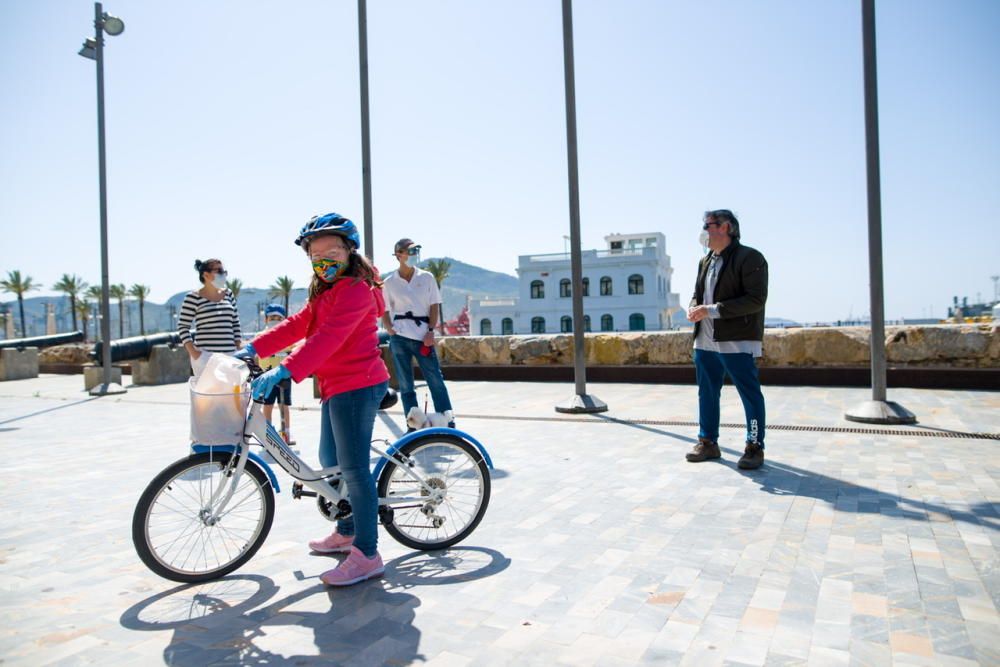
<point x="703" y="239"/>
<point x="413" y="260"/>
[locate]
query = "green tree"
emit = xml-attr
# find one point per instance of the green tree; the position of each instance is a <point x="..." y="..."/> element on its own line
<point x="82" y="307"/>
<point x="94" y="292"/>
<point x="18" y="284"/>
<point x="71" y="286"/>
<point x="439" y="269"/>
<point x="119" y="292"/>
<point x="235" y="286"/>
<point x="141" y="293"/>
<point x="282" y="288"/>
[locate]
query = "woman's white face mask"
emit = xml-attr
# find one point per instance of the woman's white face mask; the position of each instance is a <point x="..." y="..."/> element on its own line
<point x="219" y="282"/>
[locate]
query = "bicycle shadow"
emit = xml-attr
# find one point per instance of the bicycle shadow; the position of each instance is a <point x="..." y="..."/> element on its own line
<point x="234" y="621"/>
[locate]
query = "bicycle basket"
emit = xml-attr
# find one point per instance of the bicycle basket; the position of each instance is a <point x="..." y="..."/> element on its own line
<point x="218" y="418"/>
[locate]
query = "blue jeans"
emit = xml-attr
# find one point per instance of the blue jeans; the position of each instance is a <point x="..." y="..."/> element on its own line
<point x="345" y="439"/>
<point x="711" y="369"/>
<point x="403" y="351"/>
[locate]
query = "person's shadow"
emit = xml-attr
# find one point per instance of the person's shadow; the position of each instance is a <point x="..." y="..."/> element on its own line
<point x="782" y="479"/>
<point x="227" y="621"/>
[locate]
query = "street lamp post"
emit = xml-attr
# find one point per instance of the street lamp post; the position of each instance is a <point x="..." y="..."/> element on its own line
<point x="878" y="410"/>
<point x="94" y="50"/>
<point x="581" y="401"/>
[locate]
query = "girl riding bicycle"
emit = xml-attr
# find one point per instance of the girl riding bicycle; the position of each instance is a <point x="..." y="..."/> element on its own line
<point x="338" y="326"/>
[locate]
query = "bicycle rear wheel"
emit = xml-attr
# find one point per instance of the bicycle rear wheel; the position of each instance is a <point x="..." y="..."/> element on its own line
<point x="446" y="463"/>
<point x="176" y="532"/>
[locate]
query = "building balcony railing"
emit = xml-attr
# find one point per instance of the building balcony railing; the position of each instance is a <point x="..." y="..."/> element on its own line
<point x="592" y="254"/>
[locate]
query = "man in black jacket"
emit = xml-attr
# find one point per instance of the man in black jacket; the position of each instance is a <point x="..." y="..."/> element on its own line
<point x="728" y="314"/>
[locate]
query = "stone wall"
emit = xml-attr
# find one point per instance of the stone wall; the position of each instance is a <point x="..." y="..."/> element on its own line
<point x="961" y="346"/>
<point x="956" y="345"/>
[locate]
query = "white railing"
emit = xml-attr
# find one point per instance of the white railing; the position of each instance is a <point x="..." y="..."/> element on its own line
<point x="599" y="254"/>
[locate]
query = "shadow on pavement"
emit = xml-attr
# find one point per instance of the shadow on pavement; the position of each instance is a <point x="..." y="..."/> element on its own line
<point x="229" y="621"/>
<point x="783" y="480"/>
<point x="58" y="407"/>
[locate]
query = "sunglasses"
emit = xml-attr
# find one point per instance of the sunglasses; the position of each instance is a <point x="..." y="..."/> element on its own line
<point x="221" y="272"/>
<point x="711" y="224"/>
<point x="412" y="250"/>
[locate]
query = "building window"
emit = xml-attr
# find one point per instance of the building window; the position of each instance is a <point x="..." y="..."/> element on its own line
<point x="586" y="286"/>
<point x="635" y="284"/>
<point x="564" y="289"/>
<point x="606" y="286"/>
<point x="485" y="328"/>
<point x="507" y="326"/>
<point x="586" y="322"/>
<point x="636" y="322"/>
<point x="537" y="289"/>
<point x="537" y="325"/>
<point x="566" y="324"/>
<point x="607" y="323"/>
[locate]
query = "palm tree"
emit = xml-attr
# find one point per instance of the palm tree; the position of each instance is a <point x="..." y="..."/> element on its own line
<point x="82" y="307"/>
<point x="439" y="269"/>
<point x="71" y="285"/>
<point x="282" y="288"/>
<point x="94" y="292"/>
<point x="19" y="285"/>
<point x="119" y="292"/>
<point x="235" y="286"/>
<point x="140" y="292"/>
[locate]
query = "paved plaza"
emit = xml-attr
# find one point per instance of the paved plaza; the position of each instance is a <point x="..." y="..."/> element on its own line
<point x="853" y="545"/>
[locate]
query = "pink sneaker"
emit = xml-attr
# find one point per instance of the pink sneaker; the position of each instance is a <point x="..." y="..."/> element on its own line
<point x="356" y="567"/>
<point x="333" y="544"/>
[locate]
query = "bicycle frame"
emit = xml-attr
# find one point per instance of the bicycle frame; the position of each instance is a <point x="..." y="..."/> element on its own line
<point x="258" y="431"/>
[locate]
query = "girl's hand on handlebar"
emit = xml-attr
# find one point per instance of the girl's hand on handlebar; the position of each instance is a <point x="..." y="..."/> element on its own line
<point x="246" y="352"/>
<point x="261" y="387"/>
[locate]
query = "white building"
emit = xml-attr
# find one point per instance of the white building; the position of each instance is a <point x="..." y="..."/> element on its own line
<point x="625" y="288"/>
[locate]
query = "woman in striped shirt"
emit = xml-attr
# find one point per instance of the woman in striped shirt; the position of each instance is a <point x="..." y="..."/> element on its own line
<point x="209" y="321"/>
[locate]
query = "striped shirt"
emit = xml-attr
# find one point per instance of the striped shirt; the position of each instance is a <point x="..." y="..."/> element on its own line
<point x="213" y="326"/>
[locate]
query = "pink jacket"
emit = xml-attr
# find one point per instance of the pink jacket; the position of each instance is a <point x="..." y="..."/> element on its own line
<point x="341" y="339"/>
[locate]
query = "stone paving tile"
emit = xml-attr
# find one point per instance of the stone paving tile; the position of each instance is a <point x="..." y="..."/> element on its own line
<point x="602" y="546"/>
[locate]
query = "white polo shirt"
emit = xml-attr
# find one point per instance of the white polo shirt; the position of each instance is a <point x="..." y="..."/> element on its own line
<point x="416" y="295"/>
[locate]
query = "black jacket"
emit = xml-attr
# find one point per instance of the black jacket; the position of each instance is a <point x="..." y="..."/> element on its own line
<point x="740" y="291"/>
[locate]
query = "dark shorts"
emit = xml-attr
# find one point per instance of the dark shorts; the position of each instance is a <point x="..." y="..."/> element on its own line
<point x="281" y="394"/>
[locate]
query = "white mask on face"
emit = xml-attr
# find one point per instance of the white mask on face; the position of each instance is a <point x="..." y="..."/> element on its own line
<point x="413" y="260"/>
<point x="703" y="238"/>
<point x="219" y="282"/>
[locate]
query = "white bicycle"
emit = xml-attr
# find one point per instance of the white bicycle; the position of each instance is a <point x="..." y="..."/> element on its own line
<point x="207" y="514"/>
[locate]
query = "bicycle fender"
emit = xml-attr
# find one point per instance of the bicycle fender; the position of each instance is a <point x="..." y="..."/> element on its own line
<point x="198" y="449"/>
<point x="438" y="430"/>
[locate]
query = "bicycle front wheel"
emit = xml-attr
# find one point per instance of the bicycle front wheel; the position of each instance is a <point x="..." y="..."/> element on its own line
<point x="447" y="464"/>
<point x="181" y="537"/>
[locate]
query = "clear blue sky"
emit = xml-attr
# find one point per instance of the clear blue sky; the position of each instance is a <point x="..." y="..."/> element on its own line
<point x="231" y="123"/>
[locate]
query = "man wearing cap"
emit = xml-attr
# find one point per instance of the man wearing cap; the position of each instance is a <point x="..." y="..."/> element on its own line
<point x="413" y="309"/>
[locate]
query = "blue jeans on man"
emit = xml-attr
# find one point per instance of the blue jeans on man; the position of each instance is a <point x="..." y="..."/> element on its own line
<point x="404" y="350"/>
<point x="711" y="369"/>
<point x="345" y="439"/>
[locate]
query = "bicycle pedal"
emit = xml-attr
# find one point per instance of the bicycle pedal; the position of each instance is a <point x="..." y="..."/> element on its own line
<point x="298" y="491"/>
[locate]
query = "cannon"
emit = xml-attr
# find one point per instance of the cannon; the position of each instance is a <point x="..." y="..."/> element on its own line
<point x="42" y="341"/>
<point x="136" y="347"/>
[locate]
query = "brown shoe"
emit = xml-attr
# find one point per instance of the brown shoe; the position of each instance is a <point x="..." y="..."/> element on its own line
<point x="753" y="457"/>
<point x="703" y="451"/>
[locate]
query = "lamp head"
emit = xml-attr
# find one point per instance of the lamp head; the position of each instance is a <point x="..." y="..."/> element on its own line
<point x="113" y="25"/>
<point x="89" y="49"/>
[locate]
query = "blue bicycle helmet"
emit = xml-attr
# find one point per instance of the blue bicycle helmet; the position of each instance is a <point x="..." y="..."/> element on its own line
<point x="275" y="309"/>
<point x="331" y="223"/>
